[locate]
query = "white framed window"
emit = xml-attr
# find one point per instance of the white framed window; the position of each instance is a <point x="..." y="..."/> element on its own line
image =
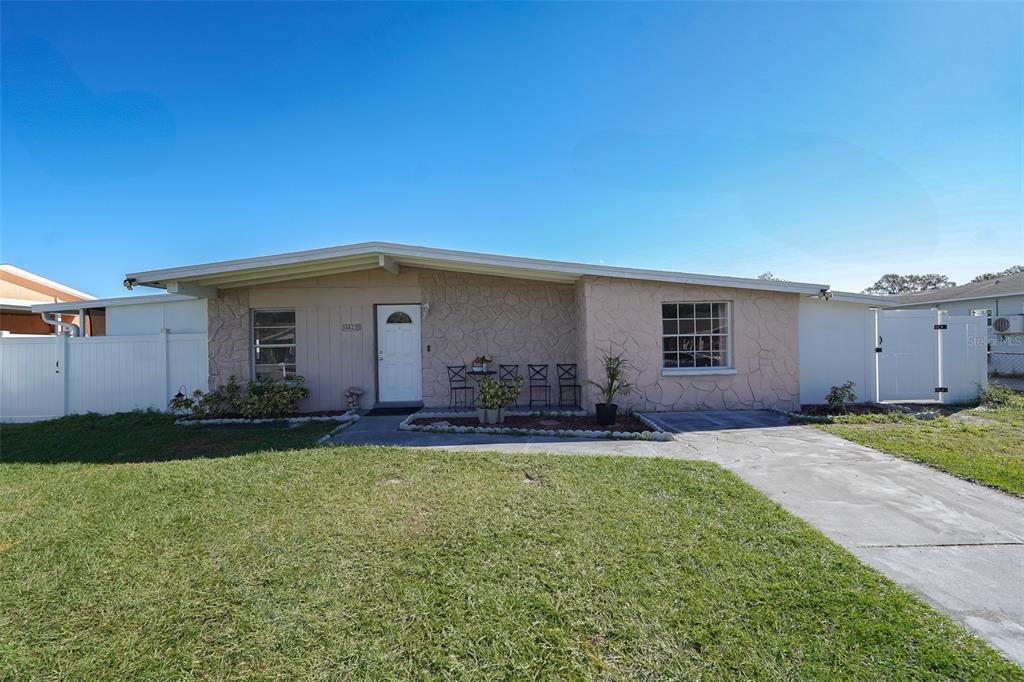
<point x="983" y="312"/>
<point x="695" y="335"/>
<point x="273" y="343"/>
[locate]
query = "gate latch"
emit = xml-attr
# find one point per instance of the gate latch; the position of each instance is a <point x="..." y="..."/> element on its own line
<point x="942" y="326"/>
<point x="941" y="389"/>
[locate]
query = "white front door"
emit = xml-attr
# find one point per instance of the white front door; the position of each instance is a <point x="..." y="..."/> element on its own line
<point x="399" y="363"/>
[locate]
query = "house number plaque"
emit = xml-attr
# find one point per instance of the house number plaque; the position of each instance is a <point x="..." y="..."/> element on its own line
<point x="351" y="327"/>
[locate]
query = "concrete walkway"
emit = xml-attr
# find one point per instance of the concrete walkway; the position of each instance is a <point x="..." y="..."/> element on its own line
<point x="957" y="544"/>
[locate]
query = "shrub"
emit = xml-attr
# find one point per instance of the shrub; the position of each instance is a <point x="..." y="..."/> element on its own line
<point x="840" y="396"/>
<point x="495" y="395"/>
<point x="220" y="402"/>
<point x="1000" y="396"/>
<point x="272" y="398"/>
<point x="262" y="399"/>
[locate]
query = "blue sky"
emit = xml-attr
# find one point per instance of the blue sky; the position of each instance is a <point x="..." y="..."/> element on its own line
<point x="824" y="142"/>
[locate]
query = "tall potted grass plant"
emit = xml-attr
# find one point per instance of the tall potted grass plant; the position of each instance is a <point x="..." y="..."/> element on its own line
<point x="615" y="383"/>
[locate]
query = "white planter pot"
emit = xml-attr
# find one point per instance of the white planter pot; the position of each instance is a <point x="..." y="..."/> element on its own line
<point x="491" y="416"/>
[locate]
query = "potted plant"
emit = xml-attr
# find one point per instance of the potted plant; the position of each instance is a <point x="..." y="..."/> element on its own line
<point x="480" y="363"/>
<point x="495" y="396"/>
<point x="614" y="384"/>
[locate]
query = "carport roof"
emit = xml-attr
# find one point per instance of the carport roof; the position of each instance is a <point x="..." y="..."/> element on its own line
<point x="207" y="277"/>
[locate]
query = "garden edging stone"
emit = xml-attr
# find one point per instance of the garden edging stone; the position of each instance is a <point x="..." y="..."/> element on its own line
<point x="654" y="434"/>
<point x="348" y="417"/>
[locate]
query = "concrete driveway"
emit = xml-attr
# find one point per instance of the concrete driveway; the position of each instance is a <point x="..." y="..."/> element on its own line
<point x="957" y="544"/>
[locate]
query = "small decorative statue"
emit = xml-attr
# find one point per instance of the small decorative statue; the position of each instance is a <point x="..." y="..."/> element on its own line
<point x="352" y="397"/>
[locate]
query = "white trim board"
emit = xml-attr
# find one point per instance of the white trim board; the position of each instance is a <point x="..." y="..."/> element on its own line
<point x="367" y="255"/>
<point x="74" y="306"/>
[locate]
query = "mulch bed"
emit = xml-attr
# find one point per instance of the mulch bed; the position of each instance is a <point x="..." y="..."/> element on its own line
<point x="324" y="413"/>
<point x="625" y="423"/>
<point x="826" y="411"/>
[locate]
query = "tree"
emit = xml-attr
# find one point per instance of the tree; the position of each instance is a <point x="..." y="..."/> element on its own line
<point x="892" y="284"/>
<point x="1015" y="270"/>
<point x="768" y="275"/>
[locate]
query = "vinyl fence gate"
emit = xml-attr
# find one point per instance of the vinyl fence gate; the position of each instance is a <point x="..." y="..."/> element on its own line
<point x="929" y="355"/>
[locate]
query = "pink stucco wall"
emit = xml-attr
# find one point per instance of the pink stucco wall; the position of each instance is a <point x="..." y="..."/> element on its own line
<point x="515" y="321"/>
<point x="625" y="315"/>
<point x="230" y="336"/>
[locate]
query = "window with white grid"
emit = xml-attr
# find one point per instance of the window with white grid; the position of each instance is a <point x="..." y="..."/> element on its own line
<point x="273" y="340"/>
<point x="695" y="335"/>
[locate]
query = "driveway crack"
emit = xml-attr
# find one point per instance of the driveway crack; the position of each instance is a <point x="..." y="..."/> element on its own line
<point x="942" y="544"/>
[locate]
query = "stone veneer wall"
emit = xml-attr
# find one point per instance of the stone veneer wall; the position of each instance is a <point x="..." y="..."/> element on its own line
<point x="515" y="321"/>
<point x="625" y="315"/>
<point x="229" y="334"/>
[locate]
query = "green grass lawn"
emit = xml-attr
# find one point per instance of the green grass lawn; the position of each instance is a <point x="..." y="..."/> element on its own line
<point x="985" y="445"/>
<point x="143" y="437"/>
<point x="383" y="563"/>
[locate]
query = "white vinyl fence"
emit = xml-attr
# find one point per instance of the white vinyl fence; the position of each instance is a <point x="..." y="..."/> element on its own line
<point x="890" y="355"/>
<point x="42" y="377"/>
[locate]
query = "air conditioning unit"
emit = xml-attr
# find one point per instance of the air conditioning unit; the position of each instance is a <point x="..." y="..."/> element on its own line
<point x="1010" y="324"/>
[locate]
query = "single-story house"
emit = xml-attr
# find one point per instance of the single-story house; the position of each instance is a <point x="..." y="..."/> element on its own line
<point x="21" y="289"/>
<point x="391" y="318"/>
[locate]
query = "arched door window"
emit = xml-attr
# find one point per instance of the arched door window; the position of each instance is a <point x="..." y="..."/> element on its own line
<point x="399" y="317"/>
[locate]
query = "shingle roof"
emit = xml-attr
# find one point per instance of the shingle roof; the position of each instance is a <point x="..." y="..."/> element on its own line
<point x="1011" y="285"/>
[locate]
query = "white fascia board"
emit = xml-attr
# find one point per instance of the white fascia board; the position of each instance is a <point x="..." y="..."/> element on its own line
<point x="32" y="277"/>
<point x="74" y="306"/>
<point x="452" y="259"/>
<point x="866" y="299"/>
<point x="17" y="304"/>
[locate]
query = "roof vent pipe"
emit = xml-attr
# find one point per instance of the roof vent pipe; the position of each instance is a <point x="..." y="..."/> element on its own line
<point x="65" y="326"/>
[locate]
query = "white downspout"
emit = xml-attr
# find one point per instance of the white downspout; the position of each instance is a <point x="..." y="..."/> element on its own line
<point x="54" y="322"/>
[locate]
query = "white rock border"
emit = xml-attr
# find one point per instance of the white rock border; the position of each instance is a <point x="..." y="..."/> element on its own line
<point x="653" y="435"/>
<point x="350" y="416"/>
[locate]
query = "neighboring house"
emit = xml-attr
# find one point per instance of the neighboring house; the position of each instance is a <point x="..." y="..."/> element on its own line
<point x="20" y="290"/>
<point x="391" y="318"/>
<point x="1002" y="297"/>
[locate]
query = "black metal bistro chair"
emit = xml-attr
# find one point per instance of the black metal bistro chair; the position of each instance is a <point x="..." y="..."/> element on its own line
<point x="459" y="387"/>
<point x="567" y="384"/>
<point x="540" y="392"/>
<point x="507" y="374"/>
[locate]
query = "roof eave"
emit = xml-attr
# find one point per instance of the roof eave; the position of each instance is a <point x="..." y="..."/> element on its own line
<point x="74" y="306"/>
<point x="443" y="258"/>
<point x="866" y="299"/>
<point x="39" y="279"/>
